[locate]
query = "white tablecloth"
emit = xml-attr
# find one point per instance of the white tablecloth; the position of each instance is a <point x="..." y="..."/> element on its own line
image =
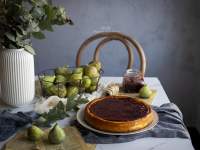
<point x="141" y="144"/>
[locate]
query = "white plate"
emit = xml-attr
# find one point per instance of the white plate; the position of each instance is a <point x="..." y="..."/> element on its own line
<point x="80" y="119"/>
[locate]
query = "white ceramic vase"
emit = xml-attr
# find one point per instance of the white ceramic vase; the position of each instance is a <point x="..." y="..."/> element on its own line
<point x="17" y="77"/>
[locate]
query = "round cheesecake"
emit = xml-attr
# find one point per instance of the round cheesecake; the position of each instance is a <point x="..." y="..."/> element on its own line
<point x="118" y="114"/>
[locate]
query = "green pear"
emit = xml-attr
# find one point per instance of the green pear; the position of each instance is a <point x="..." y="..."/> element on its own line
<point x="96" y="64"/>
<point x="91" y="88"/>
<point x="94" y="81"/>
<point x="75" y="77"/>
<point x="59" y="90"/>
<point x="56" y="135"/>
<point x="72" y="91"/>
<point x="62" y="71"/>
<point x="78" y="70"/>
<point x="60" y="79"/>
<point x="145" y="92"/>
<point x="86" y="82"/>
<point x="34" y="133"/>
<point x="47" y="81"/>
<point x="91" y="71"/>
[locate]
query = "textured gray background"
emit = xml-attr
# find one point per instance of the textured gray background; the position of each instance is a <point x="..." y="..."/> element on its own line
<point x="168" y="30"/>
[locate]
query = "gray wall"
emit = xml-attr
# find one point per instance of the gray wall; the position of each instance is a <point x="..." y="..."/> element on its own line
<point x="168" y="30"/>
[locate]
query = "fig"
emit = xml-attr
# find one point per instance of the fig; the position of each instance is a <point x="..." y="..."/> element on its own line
<point x="56" y="135"/>
<point x="59" y="90"/>
<point x="72" y="91"/>
<point x="61" y="79"/>
<point x="91" y="71"/>
<point x="62" y="71"/>
<point x="47" y="81"/>
<point x="145" y="92"/>
<point x="34" y="133"/>
<point x="86" y="82"/>
<point x="96" y="64"/>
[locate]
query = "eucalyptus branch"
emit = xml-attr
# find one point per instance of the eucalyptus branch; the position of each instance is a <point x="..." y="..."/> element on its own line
<point x="22" y="19"/>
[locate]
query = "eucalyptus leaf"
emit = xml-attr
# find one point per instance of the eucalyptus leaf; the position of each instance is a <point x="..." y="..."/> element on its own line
<point x="29" y="49"/>
<point x="22" y="19"/>
<point x="60" y="111"/>
<point x="38" y="35"/>
<point x="10" y="36"/>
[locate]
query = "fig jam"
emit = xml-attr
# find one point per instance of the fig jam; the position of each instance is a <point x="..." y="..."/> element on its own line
<point x="133" y="81"/>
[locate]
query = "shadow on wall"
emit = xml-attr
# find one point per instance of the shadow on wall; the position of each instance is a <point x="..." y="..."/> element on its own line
<point x="167" y="30"/>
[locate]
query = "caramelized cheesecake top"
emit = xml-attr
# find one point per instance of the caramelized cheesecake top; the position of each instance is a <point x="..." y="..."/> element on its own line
<point x="120" y="109"/>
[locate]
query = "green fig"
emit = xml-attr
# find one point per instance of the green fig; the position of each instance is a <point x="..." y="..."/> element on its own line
<point x="72" y="91"/>
<point x="61" y="79"/>
<point x="91" y="71"/>
<point x="56" y="135"/>
<point x="34" y="133"/>
<point x="62" y="71"/>
<point x="145" y="92"/>
<point x="59" y="90"/>
<point x="86" y="82"/>
<point x="96" y="64"/>
<point x="47" y="81"/>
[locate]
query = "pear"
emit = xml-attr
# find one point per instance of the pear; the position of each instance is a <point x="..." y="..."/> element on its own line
<point x="72" y="91"/>
<point x="145" y="92"/>
<point x="61" y="79"/>
<point x="34" y="133"/>
<point x="95" y="81"/>
<point x="78" y="70"/>
<point x="59" y="90"/>
<point x="62" y="71"/>
<point x="75" y="77"/>
<point x="91" y="88"/>
<point x="91" y="71"/>
<point x="47" y="81"/>
<point x="56" y="135"/>
<point x="86" y="82"/>
<point x="96" y="64"/>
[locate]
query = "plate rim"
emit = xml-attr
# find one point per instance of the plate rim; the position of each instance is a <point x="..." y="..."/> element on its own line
<point x="83" y="123"/>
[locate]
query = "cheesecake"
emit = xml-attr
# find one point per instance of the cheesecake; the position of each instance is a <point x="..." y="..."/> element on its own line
<point x="118" y="114"/>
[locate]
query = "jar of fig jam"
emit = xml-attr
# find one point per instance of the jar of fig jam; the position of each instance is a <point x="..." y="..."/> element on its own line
<point x="133" y="81"/>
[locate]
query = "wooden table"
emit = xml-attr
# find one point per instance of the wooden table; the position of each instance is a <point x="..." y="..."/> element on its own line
<point x="140" y="144"/>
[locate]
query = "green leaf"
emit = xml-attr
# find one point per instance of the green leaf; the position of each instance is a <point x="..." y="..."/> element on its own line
<point x="29" y="49"/>
<point x="82" y="101"/>
<point x="10" y="36"/>
<point x="71" y="103"/>
<point x="12" y="46"/>
<point x="49" y="28"/>
<point x="49" y="10"/>
<point x="38" y="35"/>
<point x="56" y="113"/>
<point x="37" y="12"/>
<point x="46" y="25"/>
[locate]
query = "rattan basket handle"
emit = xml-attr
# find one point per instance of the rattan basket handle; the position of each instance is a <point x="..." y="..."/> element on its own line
<point x="113" y="34"/>
<point x="126" y="44"/>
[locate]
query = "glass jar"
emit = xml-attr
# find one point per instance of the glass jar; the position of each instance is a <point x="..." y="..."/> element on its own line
<point x="133" y="81"/>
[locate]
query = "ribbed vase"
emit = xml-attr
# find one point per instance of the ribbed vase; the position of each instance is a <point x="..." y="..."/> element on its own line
<point x="17" y="77"/>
